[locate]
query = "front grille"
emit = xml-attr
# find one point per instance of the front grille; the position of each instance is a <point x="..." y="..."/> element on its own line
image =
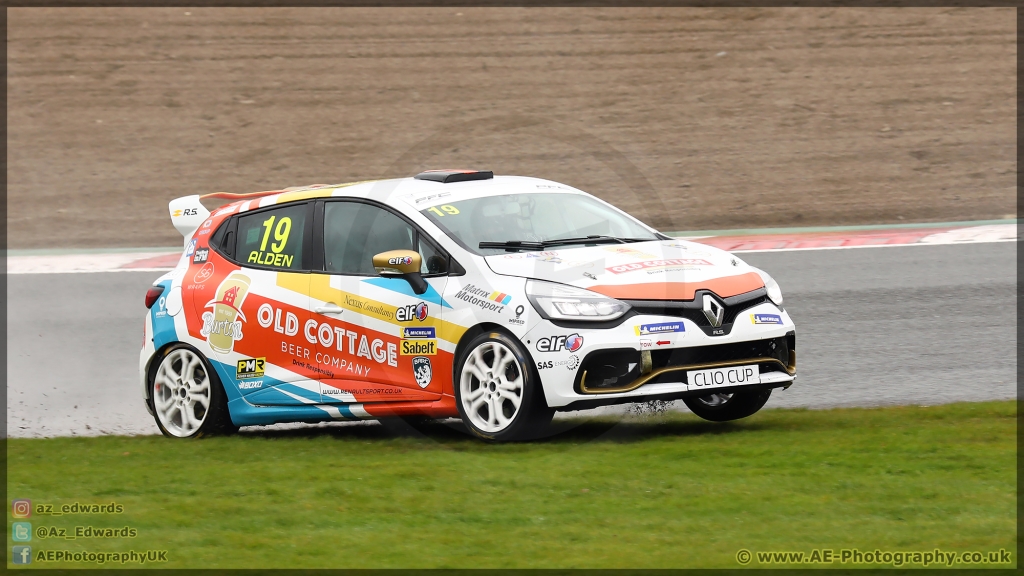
<point x="776" y="348"/>
<point x="693" y="311"/>
<point x="610" y="369"/>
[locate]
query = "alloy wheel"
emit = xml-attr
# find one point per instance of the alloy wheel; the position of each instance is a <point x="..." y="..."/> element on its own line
<point x="491" y="386"/>
<point x="181" y="393"/>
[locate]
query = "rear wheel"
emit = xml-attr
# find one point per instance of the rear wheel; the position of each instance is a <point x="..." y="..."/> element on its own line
<point x="188" y="400"/>
<point x="725" y="407"/>
<point x="498" y="391"/>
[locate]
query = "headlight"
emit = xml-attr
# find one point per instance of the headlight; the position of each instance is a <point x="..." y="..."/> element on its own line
<point x="562" y="302"/>
<point x="774" y="292"/>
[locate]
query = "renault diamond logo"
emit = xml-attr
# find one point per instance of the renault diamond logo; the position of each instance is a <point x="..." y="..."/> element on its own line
<point x="714" y="310"/>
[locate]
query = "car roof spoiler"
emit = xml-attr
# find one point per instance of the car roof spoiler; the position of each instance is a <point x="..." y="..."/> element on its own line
<point x="188" y="213"/>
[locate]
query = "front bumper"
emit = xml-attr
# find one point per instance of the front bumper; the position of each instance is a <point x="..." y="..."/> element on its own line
<point x="622" y="364"/>
<point x="610" y="371"/>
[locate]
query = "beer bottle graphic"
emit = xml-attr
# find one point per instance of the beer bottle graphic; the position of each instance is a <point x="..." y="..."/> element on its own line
<point x="224" y="328"/>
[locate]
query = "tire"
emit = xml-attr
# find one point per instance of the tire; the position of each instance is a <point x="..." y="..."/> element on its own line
<point x="498" y="391"/>
<point x="187" y="397"/>
<point x="726" y="407"/>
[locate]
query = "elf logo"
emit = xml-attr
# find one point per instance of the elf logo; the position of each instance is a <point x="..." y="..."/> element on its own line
<point x="412" y="312"/>
<point x="572" y="343"/>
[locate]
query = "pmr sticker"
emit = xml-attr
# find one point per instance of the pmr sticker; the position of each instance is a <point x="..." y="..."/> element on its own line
<point x="250" y="368"/>
<point x="765" y="319"/>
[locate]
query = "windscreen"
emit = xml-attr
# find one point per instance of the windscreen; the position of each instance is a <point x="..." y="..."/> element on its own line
<point x="531" y="217"/>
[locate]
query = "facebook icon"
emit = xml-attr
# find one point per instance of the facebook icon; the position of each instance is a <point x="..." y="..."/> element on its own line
<point x="21" y="555"/>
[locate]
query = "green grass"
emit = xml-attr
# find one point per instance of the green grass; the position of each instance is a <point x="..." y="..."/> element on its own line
<point x="668" y="491"/>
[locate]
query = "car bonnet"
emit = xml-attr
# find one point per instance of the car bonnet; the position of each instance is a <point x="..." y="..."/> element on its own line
<point x="655" y="270"/>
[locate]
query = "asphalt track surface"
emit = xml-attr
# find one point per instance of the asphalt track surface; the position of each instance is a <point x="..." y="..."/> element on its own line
<point x="875" y="326"/>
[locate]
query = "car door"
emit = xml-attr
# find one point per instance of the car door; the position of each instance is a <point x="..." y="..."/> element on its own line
<point x="376" y="339"/>
<point x="266" y="290"/>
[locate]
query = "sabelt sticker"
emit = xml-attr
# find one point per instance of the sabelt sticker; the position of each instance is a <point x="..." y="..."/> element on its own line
<point x="662" y="328"/>
<point x="765" y="319"/>
<point x="418" y="348"/>
<point x="650" y="264"/>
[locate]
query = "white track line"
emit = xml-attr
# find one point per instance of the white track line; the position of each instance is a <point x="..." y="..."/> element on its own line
<point x="81" y="263"/>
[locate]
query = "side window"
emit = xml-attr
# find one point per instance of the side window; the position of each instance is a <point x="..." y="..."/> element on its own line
<point x="272" y="237"/>
<point x="354" y="232"/>
<point x="434" y="261"/>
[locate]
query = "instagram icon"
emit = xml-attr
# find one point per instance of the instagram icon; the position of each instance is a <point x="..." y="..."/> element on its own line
<point x="21" y="508"/>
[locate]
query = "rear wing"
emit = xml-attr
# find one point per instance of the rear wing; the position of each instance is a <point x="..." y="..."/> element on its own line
<point x="187" y="214"/>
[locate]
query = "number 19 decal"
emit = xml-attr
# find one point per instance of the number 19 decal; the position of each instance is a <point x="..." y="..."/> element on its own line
<point x="284" y="228"/>
<point x="452" y="210"/>
<point x="281" y="233"/>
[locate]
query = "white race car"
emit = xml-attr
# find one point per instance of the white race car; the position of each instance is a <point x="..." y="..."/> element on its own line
<point x="498" y="300"/>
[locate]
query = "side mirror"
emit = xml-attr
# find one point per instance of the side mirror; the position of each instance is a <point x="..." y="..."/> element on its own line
<point x="403" y="264"/>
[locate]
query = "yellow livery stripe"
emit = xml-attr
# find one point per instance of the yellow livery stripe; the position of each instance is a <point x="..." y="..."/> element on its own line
<point x="320" y="289"/>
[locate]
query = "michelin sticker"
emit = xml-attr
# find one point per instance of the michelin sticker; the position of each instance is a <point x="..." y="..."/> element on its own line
<point x="425" y="332"/>
<point x="662" y="328"/>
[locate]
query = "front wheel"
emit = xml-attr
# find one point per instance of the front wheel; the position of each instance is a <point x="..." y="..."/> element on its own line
<point x="498" y="391"/>
<point x="725" y="407"/>
<point x="188" y="400"/>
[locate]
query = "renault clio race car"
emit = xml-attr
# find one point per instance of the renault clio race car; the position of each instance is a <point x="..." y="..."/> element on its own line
<point x="497" y="300"/>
